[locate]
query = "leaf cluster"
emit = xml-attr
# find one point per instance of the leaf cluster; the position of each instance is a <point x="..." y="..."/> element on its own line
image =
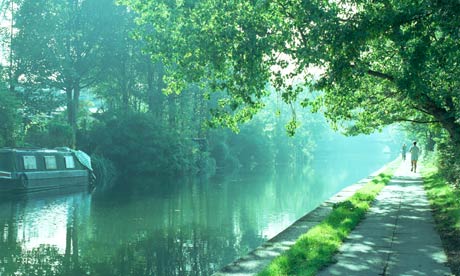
<point x="375" y="63"/>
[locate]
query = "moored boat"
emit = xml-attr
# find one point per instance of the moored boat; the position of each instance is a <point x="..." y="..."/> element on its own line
<point x="28" y="170"/>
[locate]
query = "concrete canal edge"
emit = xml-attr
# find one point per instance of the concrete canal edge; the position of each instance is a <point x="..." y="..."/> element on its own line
<point x="256" y="260"/>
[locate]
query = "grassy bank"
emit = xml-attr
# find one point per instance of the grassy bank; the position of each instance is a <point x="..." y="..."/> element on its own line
<point x="445" y="202"/>
<point x="316" y="248"/>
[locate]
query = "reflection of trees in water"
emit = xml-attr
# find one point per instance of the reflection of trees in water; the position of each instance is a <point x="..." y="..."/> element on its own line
<point x="10" y="250"/>
<point x="172" y="243"/>
<point x="71" y="260"/>
<point x="179" y="253"/>
<point x="189" y="233"/>
<point x="23" y="251"/>
<point x="42" y="260"/>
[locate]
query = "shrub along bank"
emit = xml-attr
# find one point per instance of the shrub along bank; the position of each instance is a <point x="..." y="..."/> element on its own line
<point x="445" y="201"/>
<point x="316" y="248"/>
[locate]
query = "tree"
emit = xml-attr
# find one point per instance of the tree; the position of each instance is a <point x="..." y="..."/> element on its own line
<point x="9" y="118"/>
<point x="59" y="45"/>
<point x="381" y="62"/>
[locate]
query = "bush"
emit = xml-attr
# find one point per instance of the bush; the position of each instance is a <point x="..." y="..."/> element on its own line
<point x="53" y="134"/>
<point x="448" y="161"/>
<point x="138" y="144"/>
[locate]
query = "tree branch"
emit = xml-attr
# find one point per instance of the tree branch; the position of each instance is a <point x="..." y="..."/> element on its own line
<point x="380" y="75"/>
<point x="377" y="74"/>
<point x="420" y="109"/>
<point x="416" y="121"/>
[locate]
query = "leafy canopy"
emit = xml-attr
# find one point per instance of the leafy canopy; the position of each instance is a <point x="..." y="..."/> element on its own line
<point x="380" y="62"/>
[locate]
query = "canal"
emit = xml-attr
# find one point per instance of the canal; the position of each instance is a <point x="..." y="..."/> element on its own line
<point x="188" y="226"/>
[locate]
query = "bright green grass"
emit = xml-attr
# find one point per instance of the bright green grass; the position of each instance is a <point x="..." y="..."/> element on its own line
<point x="316" y="248"/>
<point x="443" y="197"/>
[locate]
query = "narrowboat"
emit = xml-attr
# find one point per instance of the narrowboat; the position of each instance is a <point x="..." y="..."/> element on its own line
<point x="29" y="170"/>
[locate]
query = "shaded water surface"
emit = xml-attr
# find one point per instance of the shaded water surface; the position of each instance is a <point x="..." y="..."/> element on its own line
<point x="168" y="227"/>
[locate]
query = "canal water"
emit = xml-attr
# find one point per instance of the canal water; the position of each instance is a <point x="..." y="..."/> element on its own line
<point x="191" y="226"/>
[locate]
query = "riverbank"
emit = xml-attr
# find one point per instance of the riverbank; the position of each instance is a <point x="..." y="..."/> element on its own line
<point x="338" y="209"/>
<point x="445" y="202"/>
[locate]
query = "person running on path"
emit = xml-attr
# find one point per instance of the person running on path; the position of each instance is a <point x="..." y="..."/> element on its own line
<point x="414" y="153"/>
<point x="403" y="152"/>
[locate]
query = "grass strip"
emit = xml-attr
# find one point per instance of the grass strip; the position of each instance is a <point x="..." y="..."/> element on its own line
<point x="445" y="202"/>
<point x="316" y="248"/>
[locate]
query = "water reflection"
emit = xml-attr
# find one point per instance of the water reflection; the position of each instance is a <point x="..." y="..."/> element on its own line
<point x="39" y="235"/>
<point x="166" y="226"/>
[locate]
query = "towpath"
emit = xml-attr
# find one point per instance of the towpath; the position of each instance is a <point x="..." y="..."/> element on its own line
<point x="397" y="237"/>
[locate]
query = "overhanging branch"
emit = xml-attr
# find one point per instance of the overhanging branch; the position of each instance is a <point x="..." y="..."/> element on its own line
<point x="377" y="74"/>
<point x="416" y="121"/>
<point x="380" y="75"/>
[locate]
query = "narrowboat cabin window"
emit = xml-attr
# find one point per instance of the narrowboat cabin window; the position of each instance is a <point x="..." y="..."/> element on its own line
<point x="30" y="163"/>
<point x="50" y="162"/>
<point x="69" y="162"/>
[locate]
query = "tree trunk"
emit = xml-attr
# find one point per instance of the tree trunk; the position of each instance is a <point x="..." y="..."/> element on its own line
<point x="70" y="104"/>
<point x="125" y="92"/>
<point x="446" y="117"/>
<point x="430" y="143"/>
<point x="158" y="91"/>
<point x="150" y="88"/>
<point x="73" y="95"/>
<point x="450" y="125"/>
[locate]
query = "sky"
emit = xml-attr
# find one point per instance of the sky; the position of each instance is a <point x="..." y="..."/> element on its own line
<point x="5" y="21"/>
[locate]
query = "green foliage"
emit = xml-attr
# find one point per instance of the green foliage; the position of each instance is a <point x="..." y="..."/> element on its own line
<point x="444" y="199"/>
<point x="137" y="144"/>
<point x="448" y="162"/>
<point x="379" y="62"/>
<point x="52" y="134"/>
<point x="59" y="48"/>
<point x="426" y="135"/>
<point x="9" y="118"/>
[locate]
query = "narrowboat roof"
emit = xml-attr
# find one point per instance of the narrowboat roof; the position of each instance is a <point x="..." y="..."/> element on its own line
<point x="37" y="150"/>
<point x="83" y="158"/>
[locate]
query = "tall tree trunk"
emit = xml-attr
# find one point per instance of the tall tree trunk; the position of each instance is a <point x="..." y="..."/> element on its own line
<point x="125" y="88"/>
<point x="172" y="110"/>
<point x="150" y="88"/>
<point x="453" y="128"/>
<point x="76" y="108"/>
<point x="76" y="101"/>
<point x="445" y="116"/>
<point x="73" y="95"/>
<point x="159" y="84"/>
<point x="430" y="142"/>
<point x="449" y="123"/>
<point x="155" y="86"/>
<point x="70" y="104"/>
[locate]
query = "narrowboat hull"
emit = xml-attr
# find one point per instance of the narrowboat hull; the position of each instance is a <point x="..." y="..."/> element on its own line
<point x="34" y="170"/>
<point x="41" y="181"/>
